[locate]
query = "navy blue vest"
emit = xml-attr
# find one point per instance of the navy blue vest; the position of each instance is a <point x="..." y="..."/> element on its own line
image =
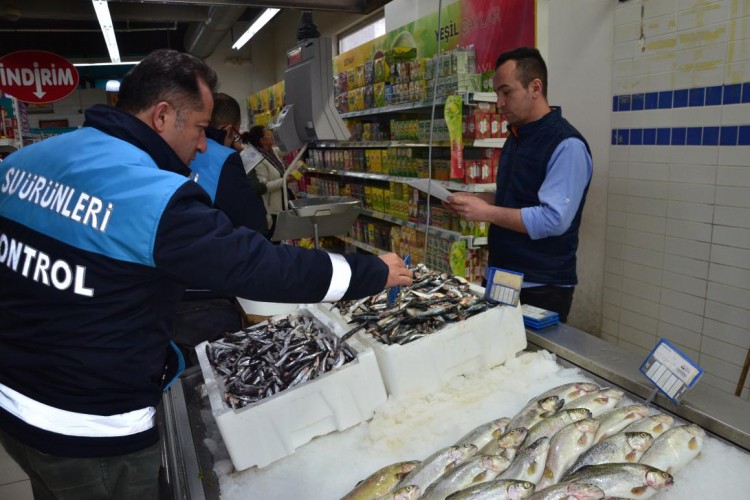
<point x="522" y="170"/>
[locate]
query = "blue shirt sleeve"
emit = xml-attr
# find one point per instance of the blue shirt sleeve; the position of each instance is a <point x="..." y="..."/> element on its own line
<point x="568" y="173"/>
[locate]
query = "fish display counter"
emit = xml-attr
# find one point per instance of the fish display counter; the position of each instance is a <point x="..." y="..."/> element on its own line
<point x="413" y="429"/>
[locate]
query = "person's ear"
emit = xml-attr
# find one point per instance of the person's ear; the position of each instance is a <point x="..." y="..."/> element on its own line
<point x="160" y="116"/>
<point x="536" y="87"/>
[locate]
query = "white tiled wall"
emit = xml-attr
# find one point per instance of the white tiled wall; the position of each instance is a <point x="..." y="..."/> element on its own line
<point x="678" y="217"/>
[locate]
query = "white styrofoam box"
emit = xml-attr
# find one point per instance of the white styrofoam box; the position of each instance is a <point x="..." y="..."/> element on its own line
<point x="274" y="427"/>
<point x="482" y="341"/>
<point x="265" y="308"/>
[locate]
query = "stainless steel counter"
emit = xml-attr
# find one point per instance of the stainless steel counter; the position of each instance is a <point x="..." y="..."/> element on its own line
<point x="190" y="463"/>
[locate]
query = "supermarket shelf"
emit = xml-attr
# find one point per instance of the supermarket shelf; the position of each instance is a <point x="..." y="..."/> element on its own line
<point x="482" y="97"/>
<point x="489" y="143"/>
<point x="478" y="143"/>
<point x="443" y="233"/>
<point x="453" y="186"/>
<point x="364" y="246"/>
<point x="8" y="145"/>
<point x="394" y="108"/>
<point x="478" y="242"/>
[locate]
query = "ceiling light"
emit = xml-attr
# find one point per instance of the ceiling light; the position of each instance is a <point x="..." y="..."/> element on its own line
<point x="105" y="21"/>
<point x="83" y="65"/>
<point x="259" y="22"/>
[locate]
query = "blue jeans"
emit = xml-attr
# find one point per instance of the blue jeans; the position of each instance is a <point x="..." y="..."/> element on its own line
<point x="126" y="477"/>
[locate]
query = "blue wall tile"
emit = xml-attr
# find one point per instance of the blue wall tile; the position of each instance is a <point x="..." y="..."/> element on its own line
<point x="697" y="97"/>
<point x="662" y="136"/>
<point x="694" y="136"/>
<point x="678" y="136"/>
<point x="710" y="136"/>
<point x="732" y="93"/>
<point x="615" y="99"/>
<point x="614" y="137"/>
<point x="728" y="136"/>
<point x="636" y="136"/>
<point x="649" y="136"/>
<point x="652" y="100"/>
<point x="681" y="98"/>
<point x="624" y="103"/>
<point x="637" y="102"/>
<point x="743" y="138"/>
<point x="746" y="92"/>
<point x="623" y="137"/>
<point x="665" y="99"/>
<point x="713" y="96"/>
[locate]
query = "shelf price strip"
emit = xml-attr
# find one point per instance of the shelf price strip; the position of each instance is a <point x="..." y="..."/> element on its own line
<point x="671" y="371"/>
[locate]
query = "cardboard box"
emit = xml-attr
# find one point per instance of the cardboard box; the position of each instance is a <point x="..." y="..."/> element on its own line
<point x="275" y="427"/>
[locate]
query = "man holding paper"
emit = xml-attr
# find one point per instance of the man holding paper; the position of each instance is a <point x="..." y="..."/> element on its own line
<point x="542" y="180"/>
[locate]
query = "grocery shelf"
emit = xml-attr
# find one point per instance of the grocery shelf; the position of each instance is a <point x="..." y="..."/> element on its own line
<point x="394" y="108"/>
<point x="364" y="246"/>
<point x="453" y="186"/>
<point x="482" y="97"/>
<point x="8" y="145"/>
<point x="378" y="144"/>
<point x="443" y="233"/>
<point x="489" y="143"/>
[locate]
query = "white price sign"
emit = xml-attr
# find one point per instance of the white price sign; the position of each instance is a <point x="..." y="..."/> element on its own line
<point x="670" y="370"/>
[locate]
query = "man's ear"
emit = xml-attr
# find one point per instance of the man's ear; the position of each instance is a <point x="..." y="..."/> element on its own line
<point x="160" y="116"/>
<point x="536" y="86"/>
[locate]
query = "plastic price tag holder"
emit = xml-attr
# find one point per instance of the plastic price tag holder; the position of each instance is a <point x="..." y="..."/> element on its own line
<point x="394" y="294"/>
<point x="503" y="286"/>
<point x="671" y="371"/>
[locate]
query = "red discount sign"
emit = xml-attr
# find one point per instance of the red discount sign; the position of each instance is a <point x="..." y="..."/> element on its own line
<point x="37" y="76"/>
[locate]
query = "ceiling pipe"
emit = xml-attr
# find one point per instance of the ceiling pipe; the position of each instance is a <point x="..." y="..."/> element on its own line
<point x="202" y="39"/>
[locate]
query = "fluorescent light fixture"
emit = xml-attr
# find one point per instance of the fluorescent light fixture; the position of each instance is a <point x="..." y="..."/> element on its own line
<point x="112" y="86"/>
<point x="83" y="65"/>
<point x="259" y="22"/>
<point x="105" y="21"/>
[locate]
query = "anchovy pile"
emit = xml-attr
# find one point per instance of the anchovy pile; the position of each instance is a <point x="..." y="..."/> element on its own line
<point x="433" y="301"/>
<point x="267" y="358"/>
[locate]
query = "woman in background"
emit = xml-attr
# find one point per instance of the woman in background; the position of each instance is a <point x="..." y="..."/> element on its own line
<point x="268" y="177"/>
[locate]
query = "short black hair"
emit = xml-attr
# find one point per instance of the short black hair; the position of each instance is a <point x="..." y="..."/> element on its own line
<point x="529" y="65"/>
<point x="226" y="111"/>
<point x="255" y="134"/>
<point x="165" y="75"/>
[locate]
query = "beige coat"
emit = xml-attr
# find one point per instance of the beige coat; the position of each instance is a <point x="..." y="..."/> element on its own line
<point x="269" y="176"/>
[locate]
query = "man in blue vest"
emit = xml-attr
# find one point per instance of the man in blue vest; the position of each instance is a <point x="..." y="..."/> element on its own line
<point x="101" y="231"/>
<point x="544" y="174"/>
<point x="206" y="314"/>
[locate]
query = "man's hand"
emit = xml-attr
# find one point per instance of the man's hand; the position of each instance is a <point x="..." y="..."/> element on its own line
<point x="470" y="206"/>
<point x="398" y="273"/>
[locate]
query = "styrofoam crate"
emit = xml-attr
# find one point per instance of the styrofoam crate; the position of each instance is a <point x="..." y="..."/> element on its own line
<point x="274" y="427"/>
<point x="482" y="341"/>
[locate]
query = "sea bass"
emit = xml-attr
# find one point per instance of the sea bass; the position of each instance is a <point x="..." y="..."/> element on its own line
<point x="565" y="447"/>
<point x="436" y="465"/>
<point x="624" y="480"/>
<point x="597" y="403"/>
<point x="529" y="462"/>
<point x="656" y="425"/>
<point x="569" y="392"/>
<point x="474" y="471"/>
<point x="614" y="421"/>
<point x="675" y="448"/>
<point x="499" y="489"/>
<point x="568" y="491"/>
<point x="410" y="492"/>
<point x="506" y="445"/>
<point x="624" y="447"/>
<point x="485" y="433"/>
<point x="382" y="481"/>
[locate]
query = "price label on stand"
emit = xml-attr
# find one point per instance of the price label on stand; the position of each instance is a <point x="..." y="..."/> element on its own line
<point x="670" y="370"/>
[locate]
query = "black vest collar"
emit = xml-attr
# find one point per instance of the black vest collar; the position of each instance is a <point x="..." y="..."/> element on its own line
<point x="530" y="128"/>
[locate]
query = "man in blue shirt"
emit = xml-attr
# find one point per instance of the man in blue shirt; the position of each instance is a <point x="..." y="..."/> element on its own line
<point x="542" y="180"/>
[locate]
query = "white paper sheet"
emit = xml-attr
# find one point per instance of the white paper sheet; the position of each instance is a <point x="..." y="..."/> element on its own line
<point x="433" y="188"/>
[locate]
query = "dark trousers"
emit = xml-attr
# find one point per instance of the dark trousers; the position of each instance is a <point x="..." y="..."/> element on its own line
<point x="204" y="319"/>
<point x="550" y="297"/>
<point x="125" y="477"/>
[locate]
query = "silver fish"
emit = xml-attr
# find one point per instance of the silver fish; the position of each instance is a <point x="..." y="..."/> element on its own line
<point x="506" y="445"/>
<point x="529" y="462"/>
<point x="550" y="425"/>
<point x="485" y="433"/>
<point x="409" y="492"/>
<point x="568" y="491"/>
<point x="474" y="471"/>
<point x="624" y="480"/>
<point x="569" y="392"/>
<point x="614" y="421"/>
<point x="498" y="489"/>
<point x="436" y="465"/>
<point x="620" y="448"/>
<point x="381" y="481"/>
<point x="565" y="447"/>
<point x="656" y="425"/>
<point x="675" y="448"/>
<point x="534" y="411"/>
<point x="598" y="402"/>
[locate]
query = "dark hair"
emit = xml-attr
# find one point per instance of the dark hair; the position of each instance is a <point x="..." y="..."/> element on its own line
<point x="529" y="65"/>
<point x="255" y="134"/>
<point x="226" y="111"/>
<point x="165" y="75"/>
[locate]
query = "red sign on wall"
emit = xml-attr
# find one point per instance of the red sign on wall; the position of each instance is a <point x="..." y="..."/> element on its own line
<point x="36" y="76"/>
